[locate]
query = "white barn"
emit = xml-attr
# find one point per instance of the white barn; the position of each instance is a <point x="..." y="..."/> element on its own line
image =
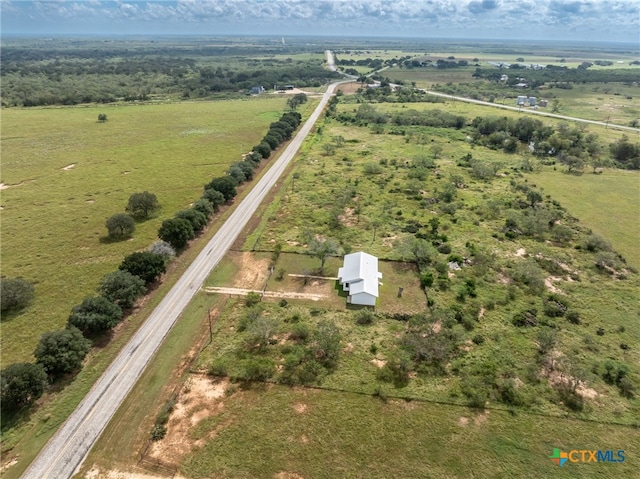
<point x="359" y="276"/>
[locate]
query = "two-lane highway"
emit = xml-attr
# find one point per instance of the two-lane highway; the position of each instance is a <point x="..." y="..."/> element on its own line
<point x="66" y="450"/>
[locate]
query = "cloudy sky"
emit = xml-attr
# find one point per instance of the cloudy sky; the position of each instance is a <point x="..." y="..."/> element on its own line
<point x="612" y="20"/>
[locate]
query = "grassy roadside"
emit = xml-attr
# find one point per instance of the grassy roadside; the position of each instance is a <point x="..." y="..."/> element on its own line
<point x="24" y="439"/>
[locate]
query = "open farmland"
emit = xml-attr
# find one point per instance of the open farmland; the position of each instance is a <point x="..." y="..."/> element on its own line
<point x="64" y="174"/>
<point x="270" y="411"/>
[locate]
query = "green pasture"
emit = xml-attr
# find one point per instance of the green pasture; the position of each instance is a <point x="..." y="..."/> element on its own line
<point x="607" y="203"/>
<point x="261" y="433"/>
<point x="65" y="174"/>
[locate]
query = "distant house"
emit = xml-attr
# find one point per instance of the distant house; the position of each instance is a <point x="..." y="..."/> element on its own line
<point x="256" y="90"/>
<point x="359" y="276"/>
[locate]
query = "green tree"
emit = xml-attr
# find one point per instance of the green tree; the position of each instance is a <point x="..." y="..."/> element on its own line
<point x="141" y="205"/>
<point x="214" y="198"/>
<point x="120" y="226"/>
<point x="417" y="250"/>
<point x="147" y="266"/>
<point x="197" y="219"/>
<point x="15" y="294"/>
<point x="177" y="232"/>
<point x="205" y="206"/>
<point x="322" y="249"/>
<point x="21" y="384"/>
<point x="225" y="185"/>
<point x="122" y="288"/>
<point x="62" y="351"/>
<point x="102" y="117"/>
<point x="95" y="315"/>
<point x="326" y="344"/>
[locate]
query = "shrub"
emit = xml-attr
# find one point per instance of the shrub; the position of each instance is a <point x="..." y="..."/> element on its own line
<point x="251" y="299"/>
<point x="573" y="317"/>
<point x="554" y="306"/>
<point x="364" y="317"/>
<point x="15" y="294"/>
<point x="196" y="219"/>
<point x="162" y="248"/>
<point x="258" y="369"/>
<point x="596" y="243"/>
<point x="525" y="318"/>
<point x="396" y="370"/>
<point x="300" y="332"/>
<point x="283" y="303"/>
<point x="158" y="432"/>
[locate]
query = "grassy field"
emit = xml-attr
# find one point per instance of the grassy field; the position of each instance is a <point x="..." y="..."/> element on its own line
<point x="65" y="174"/>
<point x="343" y="429"/>
<point x="282" y="432"/>
<point x="611" y="209"/>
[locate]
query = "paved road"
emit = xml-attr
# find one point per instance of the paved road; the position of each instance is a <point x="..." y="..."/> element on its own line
<point x="66" y="450"/>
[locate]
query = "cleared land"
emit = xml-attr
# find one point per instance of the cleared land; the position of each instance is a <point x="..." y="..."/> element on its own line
<point x="65" y="174"/>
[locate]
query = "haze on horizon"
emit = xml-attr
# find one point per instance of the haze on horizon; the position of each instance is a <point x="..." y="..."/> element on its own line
<point x="575" y="20"/>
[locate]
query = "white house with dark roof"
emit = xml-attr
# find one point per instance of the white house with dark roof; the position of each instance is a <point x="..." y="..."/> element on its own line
<point x="359" y="276"/>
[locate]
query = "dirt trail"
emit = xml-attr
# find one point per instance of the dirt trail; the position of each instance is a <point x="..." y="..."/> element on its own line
<point x="267" y="294"/>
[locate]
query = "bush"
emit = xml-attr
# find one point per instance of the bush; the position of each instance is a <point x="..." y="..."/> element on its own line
<point x="525" y="318"/>
<point x="300" y="332"/>
<point x="120" y="226"/>
<point x="21" y="384"/>
<point x="158" y="432"/>
<point x="62" y="351"/>
<point x="396" y="370"/>
<point x="196" y="219"/>
<point x="596" y="243"/>
<point x="251" y="299"/>
<point x="554" y="306"/>
<point x="573" y="317"/>
<point x="162" y="248"/>
<point x="15" y="294"/>
<point x="364" y="317"/>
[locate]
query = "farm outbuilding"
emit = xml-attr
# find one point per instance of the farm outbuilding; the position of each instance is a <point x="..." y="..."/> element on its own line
<point x="359" y="276"/>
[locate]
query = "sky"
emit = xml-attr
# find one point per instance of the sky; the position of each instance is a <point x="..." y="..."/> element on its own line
<point x="573" y="20"/>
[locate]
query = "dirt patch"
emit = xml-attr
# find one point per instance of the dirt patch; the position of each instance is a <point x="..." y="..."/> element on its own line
<point x="11" y="462"/>
<point x="300" y="408"/>
<point x="349" y="217"/>
<point x="252" y="272"/>
<point x="520" y="253"/>
<point x="267" y="294"/>
<point x="388" y="241"/>
<point x="348" y="348"/>
<point x="481" y="418"/>
<point x="68" y="167"/>
<point x="557" y="378"/>
<point x="199" y="399"/>
<point x="379" y="363"/>
<point x="288" y="475"/>
<point x="548" y="282"/>
<point x="97" y="473"/>
<point x="463" y="421"/>
<point x="481" y="312"/>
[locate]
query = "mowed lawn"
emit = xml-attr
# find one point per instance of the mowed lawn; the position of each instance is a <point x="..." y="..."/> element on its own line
<point x="607" y="203"/>
<point x="64" y="174"/>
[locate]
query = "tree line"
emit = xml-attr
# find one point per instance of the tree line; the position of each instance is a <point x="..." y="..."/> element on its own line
<point x="71" y="77"/>
<point x="61" y="352"/>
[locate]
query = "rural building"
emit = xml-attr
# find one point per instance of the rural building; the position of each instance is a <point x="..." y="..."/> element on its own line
<point x="521" y="100"/>
<point x="359" y="276"/>
<point x="256" y="90"/>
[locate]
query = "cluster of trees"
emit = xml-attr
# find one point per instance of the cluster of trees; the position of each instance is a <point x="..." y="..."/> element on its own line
<point x="279" y="132"/>
<point x="31" y="78"/>
<point x="61" y="352"/>
<point x="368" y="114"/>
<point x="558" y="74"/>
<point x="139" y="207"/>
